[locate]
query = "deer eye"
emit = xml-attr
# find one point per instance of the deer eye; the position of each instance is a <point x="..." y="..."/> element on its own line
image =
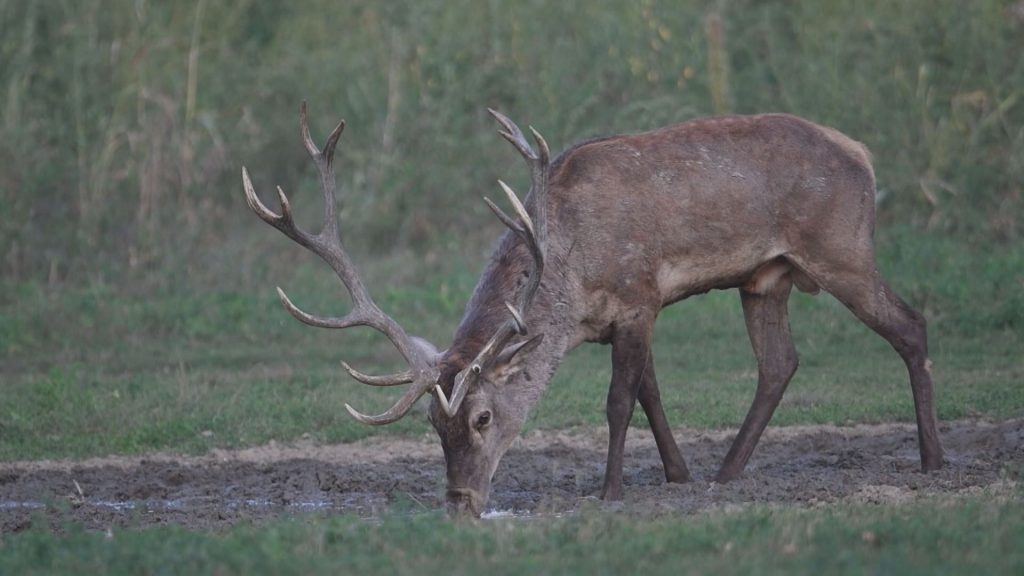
<point x="483" y="419"/>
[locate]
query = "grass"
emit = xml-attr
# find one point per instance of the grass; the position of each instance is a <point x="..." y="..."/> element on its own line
<point x="102" y="370"/>
<point x="976" y="534"/>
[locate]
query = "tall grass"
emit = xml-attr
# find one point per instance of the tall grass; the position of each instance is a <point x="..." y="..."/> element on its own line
<point x="125" y="122"/>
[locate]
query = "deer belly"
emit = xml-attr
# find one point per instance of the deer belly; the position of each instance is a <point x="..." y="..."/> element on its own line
<point x="686" y="277"/>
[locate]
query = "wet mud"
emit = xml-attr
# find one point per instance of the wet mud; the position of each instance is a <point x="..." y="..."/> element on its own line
<point x="545" y="473"/>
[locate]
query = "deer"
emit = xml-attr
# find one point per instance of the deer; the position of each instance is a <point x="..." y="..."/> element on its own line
<point x="613" y="230"/>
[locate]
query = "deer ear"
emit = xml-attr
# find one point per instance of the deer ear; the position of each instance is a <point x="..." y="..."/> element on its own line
<point x="513" y="355"/>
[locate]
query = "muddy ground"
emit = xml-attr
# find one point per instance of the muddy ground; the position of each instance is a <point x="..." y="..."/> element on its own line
<point x="546" y="472"/>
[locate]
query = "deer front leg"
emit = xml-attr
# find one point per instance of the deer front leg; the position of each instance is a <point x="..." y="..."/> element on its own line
<point x="650" y="401"/>
<point x="631" y="348"/>
<point x="767" y="319"/>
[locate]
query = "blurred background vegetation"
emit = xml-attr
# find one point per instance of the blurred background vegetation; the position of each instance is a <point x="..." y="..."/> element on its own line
<point x="125" y="243"/>
<point x="125" y="122"/>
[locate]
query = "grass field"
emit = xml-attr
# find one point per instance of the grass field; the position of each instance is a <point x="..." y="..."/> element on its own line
<point x="99" y="370"/>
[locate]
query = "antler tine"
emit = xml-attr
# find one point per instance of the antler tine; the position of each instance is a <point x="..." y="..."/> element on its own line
<point x="542" y="144"/>
<point x="353" y="318"/>
<point x="404" y="377"/>
<point x="328" y="152"/>
<point x="511" y="132"/>
<point x="282" y="222"/>
<point x="332" y="142"/>
<point x="520" y="324"/>
<point x="254" y="202"/>
<point x="505" y="218"/>
<point x="459" y="389"/>
<point x="286" y="207"/>
<point x="399" y="409"/>
<point x="525" y="222"/>
<point x="307" y="140"/>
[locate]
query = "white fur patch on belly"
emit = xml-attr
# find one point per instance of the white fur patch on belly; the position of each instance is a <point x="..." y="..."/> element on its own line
<point x="672" y="277"/>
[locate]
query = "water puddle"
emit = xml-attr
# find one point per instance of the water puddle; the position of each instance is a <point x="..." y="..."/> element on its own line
<point x="179" y="504"/>
<point x="13" y="505"/>
<point x="204" y="503"/>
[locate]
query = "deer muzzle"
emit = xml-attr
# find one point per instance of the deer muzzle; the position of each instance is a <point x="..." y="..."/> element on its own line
<point x="465" y="503"/>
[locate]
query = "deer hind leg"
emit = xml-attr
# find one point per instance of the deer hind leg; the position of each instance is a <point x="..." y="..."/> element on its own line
<point x="766" y="314"/>
<point x="868" y="296"/>
<point x="631" y="348"/>
<point x="650" y="400"/>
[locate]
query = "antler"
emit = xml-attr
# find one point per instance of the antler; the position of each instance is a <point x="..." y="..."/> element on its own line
<point x="328" y="245"/>
<point x="533" y="231"/>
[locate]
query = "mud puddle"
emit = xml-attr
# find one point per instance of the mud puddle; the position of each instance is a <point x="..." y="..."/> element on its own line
<point x="548" y="473"/>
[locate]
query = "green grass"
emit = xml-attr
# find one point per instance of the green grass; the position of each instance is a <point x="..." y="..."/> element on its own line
<point x="976" y="534"/>
<point x="102" y="370"/>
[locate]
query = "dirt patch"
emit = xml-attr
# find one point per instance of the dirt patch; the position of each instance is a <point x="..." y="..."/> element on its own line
<point x="546" y="472"/>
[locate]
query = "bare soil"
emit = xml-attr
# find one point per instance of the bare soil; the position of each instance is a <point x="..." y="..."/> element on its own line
<point x="545" y="473"/>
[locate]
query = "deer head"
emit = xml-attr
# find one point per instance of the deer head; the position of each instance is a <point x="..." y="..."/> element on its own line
<point x="479" y="415"/>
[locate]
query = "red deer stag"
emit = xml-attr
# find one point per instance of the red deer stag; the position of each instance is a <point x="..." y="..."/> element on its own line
<point x="613" y="230"/>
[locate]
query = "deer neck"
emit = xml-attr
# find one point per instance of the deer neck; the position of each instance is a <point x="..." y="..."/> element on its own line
<point x="550" y="313"/>
<point x="553" y="322"/>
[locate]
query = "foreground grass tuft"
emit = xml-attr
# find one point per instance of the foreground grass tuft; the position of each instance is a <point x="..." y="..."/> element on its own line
<point x="980" y="534"/>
